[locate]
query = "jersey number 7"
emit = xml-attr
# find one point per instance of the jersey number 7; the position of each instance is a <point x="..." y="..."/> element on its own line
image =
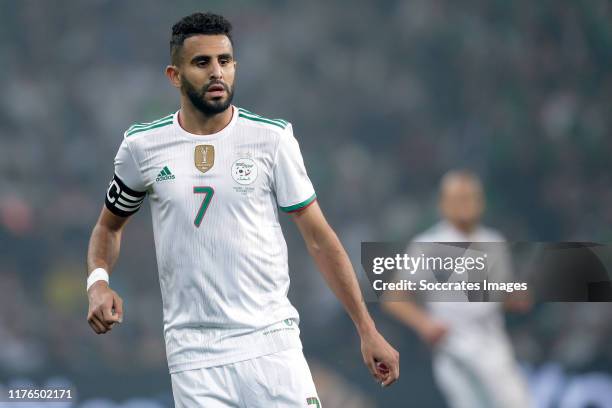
<point x="208" y="193"/>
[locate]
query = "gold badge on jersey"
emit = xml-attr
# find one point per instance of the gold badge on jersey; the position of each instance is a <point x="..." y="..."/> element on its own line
<point x="204" y="157"/>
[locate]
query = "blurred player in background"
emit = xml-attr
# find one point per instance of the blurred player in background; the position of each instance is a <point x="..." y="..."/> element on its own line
<point x="473" y="362"/>
<point x="215" y="174"/>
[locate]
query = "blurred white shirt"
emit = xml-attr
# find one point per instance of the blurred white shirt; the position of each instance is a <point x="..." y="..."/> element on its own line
<point x="461" y="314"/>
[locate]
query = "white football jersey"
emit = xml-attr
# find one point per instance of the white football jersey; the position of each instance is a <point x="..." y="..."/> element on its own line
<point x="221" y="254"/>
<point x="461" y="312"/>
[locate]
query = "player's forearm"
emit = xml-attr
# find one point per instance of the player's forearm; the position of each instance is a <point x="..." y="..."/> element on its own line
<point x="104" y="246"/>
<point x="407" y="312"/>
<point x="336" y="268"/>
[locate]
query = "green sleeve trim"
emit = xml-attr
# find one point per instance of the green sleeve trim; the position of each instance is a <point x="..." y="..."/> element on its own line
<point x="146" y="124"/>
<point x="243" y="113"/>
<point x="157" y="125"/>
<point x="263" y="120"/>
<point x="301" y="205"/>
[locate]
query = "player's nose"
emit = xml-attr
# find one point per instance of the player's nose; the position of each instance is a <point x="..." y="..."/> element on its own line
<point x="216" y="72"/>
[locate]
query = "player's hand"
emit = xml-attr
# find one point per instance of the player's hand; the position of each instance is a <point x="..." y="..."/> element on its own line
<point x="105" y="307"/>
<point x="381" y="359"/>
<point x="433" y="332"/>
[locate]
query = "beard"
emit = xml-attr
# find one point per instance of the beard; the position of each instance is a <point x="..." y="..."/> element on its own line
<point x="198" y="97"/>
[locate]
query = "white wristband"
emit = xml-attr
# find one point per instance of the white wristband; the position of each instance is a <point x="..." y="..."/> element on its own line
<point x="97" y="275"/>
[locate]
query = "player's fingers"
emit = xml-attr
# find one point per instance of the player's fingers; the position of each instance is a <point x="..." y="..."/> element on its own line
<point x="393" y="371"/>
<point x="391" y="378"/>
<point x="98" y="324"/>
<point x="371" y="364"/>
<point x="397" y="363"/>
<point x="90" y="319"/>
<point x="108" y="317"/>
<point x="93" y="326"/>
<point x="99" y="315"/>
<point x="118" y="306"/>
<point x="105" y="327"/>
<point x="382" y="367"/>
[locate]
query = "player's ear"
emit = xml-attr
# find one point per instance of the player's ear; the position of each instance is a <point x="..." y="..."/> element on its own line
<point x="173" y="75"/>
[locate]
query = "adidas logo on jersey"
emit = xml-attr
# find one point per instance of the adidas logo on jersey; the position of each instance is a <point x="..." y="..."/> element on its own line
<point x="165" y="174"/>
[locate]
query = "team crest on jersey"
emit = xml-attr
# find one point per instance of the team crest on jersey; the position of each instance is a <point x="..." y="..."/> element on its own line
<point x="244" y="171"/>
<point x="204" y="157"/>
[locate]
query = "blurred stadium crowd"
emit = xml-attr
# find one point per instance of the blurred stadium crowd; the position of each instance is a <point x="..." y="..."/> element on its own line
<point x="384" y="98"/>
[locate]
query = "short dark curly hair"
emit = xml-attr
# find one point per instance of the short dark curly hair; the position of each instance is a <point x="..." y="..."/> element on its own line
<point x="194" y="24"/>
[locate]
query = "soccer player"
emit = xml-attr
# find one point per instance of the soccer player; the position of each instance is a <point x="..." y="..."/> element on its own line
<point x="473" y="362"/>
<point x="215" y="174"/>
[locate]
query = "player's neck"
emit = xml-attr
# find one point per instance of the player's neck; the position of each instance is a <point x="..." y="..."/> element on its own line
<point x="465" y="229"/>
<point x="195" y="122"/>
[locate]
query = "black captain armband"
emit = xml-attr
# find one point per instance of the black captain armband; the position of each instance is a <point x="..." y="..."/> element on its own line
<point x="122" y="200"/>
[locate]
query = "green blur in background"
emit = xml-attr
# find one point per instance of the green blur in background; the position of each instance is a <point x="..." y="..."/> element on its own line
<point x="384" y="98"/>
